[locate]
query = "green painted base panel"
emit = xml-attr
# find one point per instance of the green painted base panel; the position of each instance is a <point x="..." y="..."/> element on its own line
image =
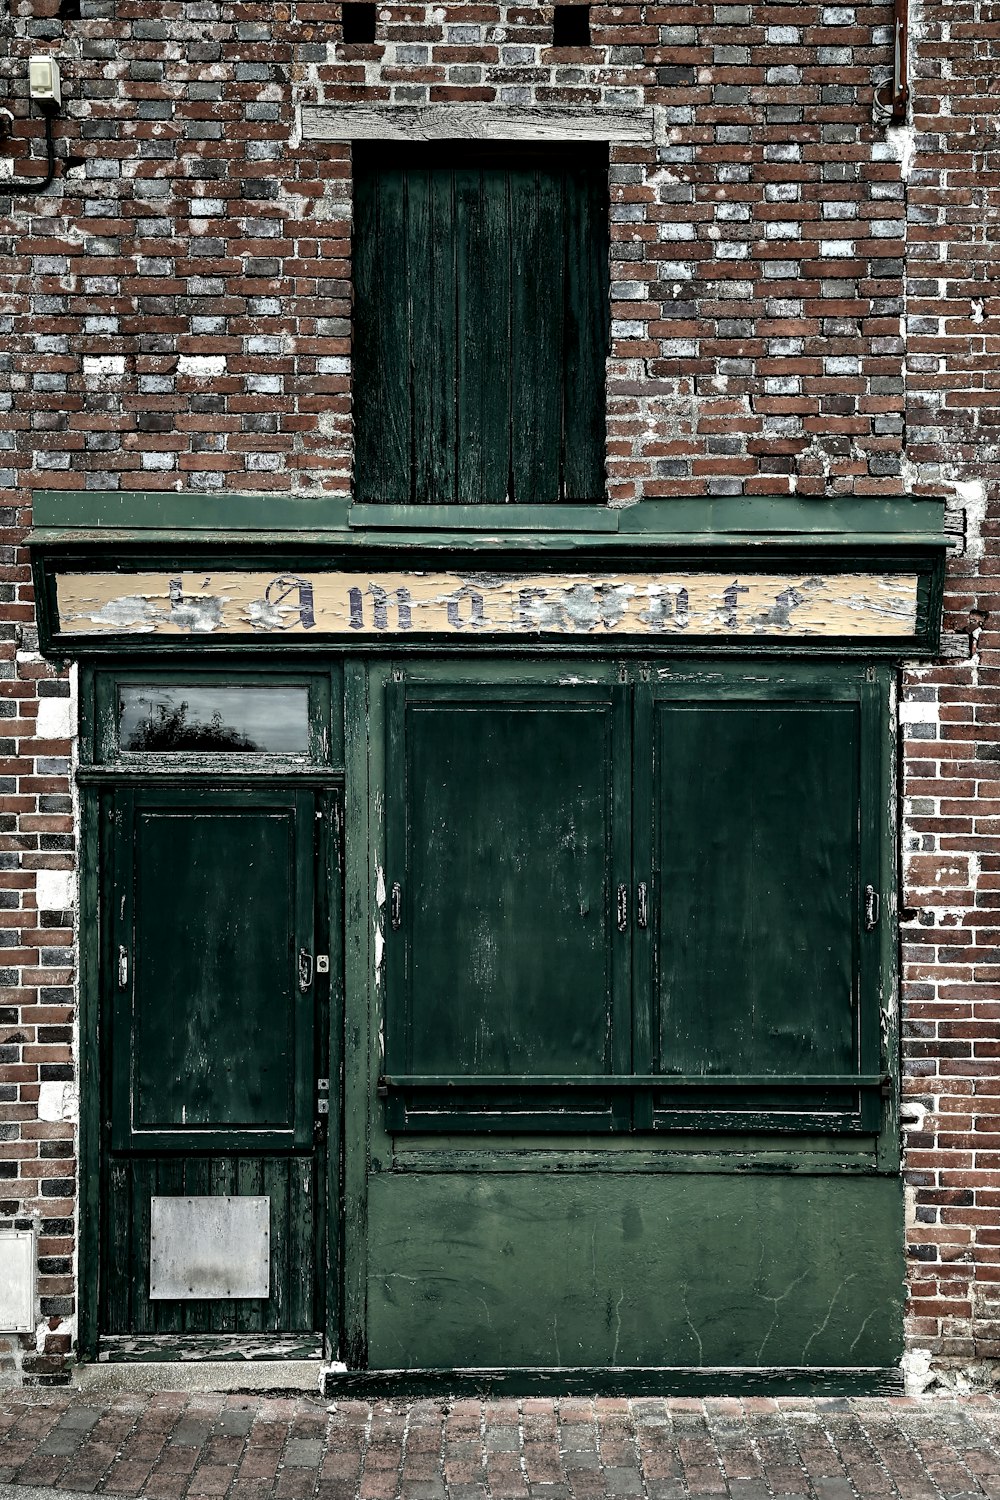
<point x="501" y="1272"/>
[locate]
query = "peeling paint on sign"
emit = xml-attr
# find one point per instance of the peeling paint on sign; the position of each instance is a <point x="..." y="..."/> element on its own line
<point x="470" y="604"/>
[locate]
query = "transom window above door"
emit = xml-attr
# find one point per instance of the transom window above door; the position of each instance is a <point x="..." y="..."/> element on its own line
<point x="481" y="324"/>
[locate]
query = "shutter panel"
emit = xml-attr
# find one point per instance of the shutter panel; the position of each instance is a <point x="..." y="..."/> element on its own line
<point x="756" y="911"/>
<point x="507" y="975"/>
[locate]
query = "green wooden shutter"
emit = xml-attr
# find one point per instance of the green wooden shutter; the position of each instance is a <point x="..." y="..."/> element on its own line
<point x="481" y="324"/>
<point x="507" y="973"/>
<point x="732" y="984"/>
<point x="761" y="1001"/>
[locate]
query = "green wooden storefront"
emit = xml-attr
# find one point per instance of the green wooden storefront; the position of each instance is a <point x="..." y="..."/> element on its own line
<point x="505" y="899"/>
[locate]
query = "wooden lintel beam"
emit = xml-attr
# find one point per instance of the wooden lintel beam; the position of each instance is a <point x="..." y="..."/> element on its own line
<point x="438" y="122"/>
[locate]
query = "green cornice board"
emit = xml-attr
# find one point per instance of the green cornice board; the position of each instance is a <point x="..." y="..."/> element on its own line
<point x="127" y="512"/>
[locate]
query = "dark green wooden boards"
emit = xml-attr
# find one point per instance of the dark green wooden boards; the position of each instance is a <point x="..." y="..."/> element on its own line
<point x="481" y="325"/>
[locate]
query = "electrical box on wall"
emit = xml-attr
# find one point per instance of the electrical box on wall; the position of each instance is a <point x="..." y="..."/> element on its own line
<point x="43" y="80"/>
<point x="17" y="1280"/>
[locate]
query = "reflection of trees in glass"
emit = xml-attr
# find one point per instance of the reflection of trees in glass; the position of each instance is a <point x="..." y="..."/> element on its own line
<point x="167" y="728"/>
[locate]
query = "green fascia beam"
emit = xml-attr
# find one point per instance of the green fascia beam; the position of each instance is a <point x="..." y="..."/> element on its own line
<point x="120" y="517"/>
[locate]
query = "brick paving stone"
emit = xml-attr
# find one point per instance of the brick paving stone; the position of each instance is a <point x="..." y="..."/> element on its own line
<point x="173" y="1446"/>
<point x="303" y="1453"/>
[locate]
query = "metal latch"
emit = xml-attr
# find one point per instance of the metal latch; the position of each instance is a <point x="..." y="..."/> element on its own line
<point x="323" y="1102"/>
<point x="322" y="963"/>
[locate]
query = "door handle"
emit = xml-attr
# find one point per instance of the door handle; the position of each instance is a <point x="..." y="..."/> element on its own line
<point x="396" y="905"/>
<point x="642" y="905"/>
<point x="622" y="908"/>
<point x="305" y="969"/>
<point x="122" y="967"/>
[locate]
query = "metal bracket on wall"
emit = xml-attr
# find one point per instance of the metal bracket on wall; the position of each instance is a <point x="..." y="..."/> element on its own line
<point x="894" y="107"/>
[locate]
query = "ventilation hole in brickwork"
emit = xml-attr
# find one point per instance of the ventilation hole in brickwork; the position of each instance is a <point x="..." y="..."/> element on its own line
<point x="359" y="22"/>
<point x="69" y="10"/>
<point x="571" y="26"/>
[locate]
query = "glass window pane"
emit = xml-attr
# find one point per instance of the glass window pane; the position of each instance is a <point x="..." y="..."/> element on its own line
<point x="232" y="720"/>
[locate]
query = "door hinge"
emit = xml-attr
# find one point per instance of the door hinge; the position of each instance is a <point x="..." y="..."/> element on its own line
<point x="396" y="905"/>
<point x="338" y="829"/>
<point x="622" y="908"/>
<point x="886" y="1089"/>
<point x="871" y="908"/>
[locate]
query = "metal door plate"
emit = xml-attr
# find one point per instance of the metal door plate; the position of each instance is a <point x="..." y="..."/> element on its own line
<point x="209" y="1248"/>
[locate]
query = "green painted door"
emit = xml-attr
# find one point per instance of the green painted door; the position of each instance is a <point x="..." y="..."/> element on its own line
<point x="216" y="1013"/>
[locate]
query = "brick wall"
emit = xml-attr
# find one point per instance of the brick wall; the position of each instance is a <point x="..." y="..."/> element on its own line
<point x="951" y="852"/>
<point x="175" y="313"/>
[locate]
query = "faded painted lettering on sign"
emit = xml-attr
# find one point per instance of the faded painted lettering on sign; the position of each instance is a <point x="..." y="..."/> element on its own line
<point x="464" y="604"/>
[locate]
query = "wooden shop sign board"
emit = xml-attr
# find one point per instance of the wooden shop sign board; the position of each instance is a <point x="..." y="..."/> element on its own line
<point x="409" y="603"/>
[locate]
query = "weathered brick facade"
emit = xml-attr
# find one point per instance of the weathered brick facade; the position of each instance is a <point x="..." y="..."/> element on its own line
<point x="801" y="305"/>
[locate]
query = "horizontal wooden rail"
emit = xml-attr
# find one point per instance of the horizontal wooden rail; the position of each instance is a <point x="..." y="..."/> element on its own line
<point x="629" y="1081"/>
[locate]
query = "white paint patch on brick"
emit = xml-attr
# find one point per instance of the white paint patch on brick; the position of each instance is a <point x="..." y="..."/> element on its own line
<point x="201" y="366"/>
<point x="55" y="890"/>
<point x="98" y="368"/>
<point x="971" y="496"/>
<point x="919" y="713"/>
<point x="917" y="1371"/>
<point x="899" y="145"/>
<point x="55" y="719"/>
<point x="58" y="1102"/>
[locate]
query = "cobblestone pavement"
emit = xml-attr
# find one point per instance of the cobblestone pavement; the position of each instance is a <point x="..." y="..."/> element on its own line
<point x="176" y="1444"/>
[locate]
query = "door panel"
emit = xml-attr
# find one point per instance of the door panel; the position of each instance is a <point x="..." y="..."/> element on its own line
<point x="213" y="1013"/>
<point x="213" y="1041"/>
<point x="292" y="1184"/>
<point x="211" y="1022"/>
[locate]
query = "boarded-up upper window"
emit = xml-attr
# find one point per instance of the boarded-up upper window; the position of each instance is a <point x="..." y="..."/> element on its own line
<point x="480" y="325"/>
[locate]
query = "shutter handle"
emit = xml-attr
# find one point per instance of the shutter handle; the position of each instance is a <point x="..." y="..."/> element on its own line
<point x="622" y="908"/>
<point x="305" y="969"/>
<point x="871" y="908"/>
